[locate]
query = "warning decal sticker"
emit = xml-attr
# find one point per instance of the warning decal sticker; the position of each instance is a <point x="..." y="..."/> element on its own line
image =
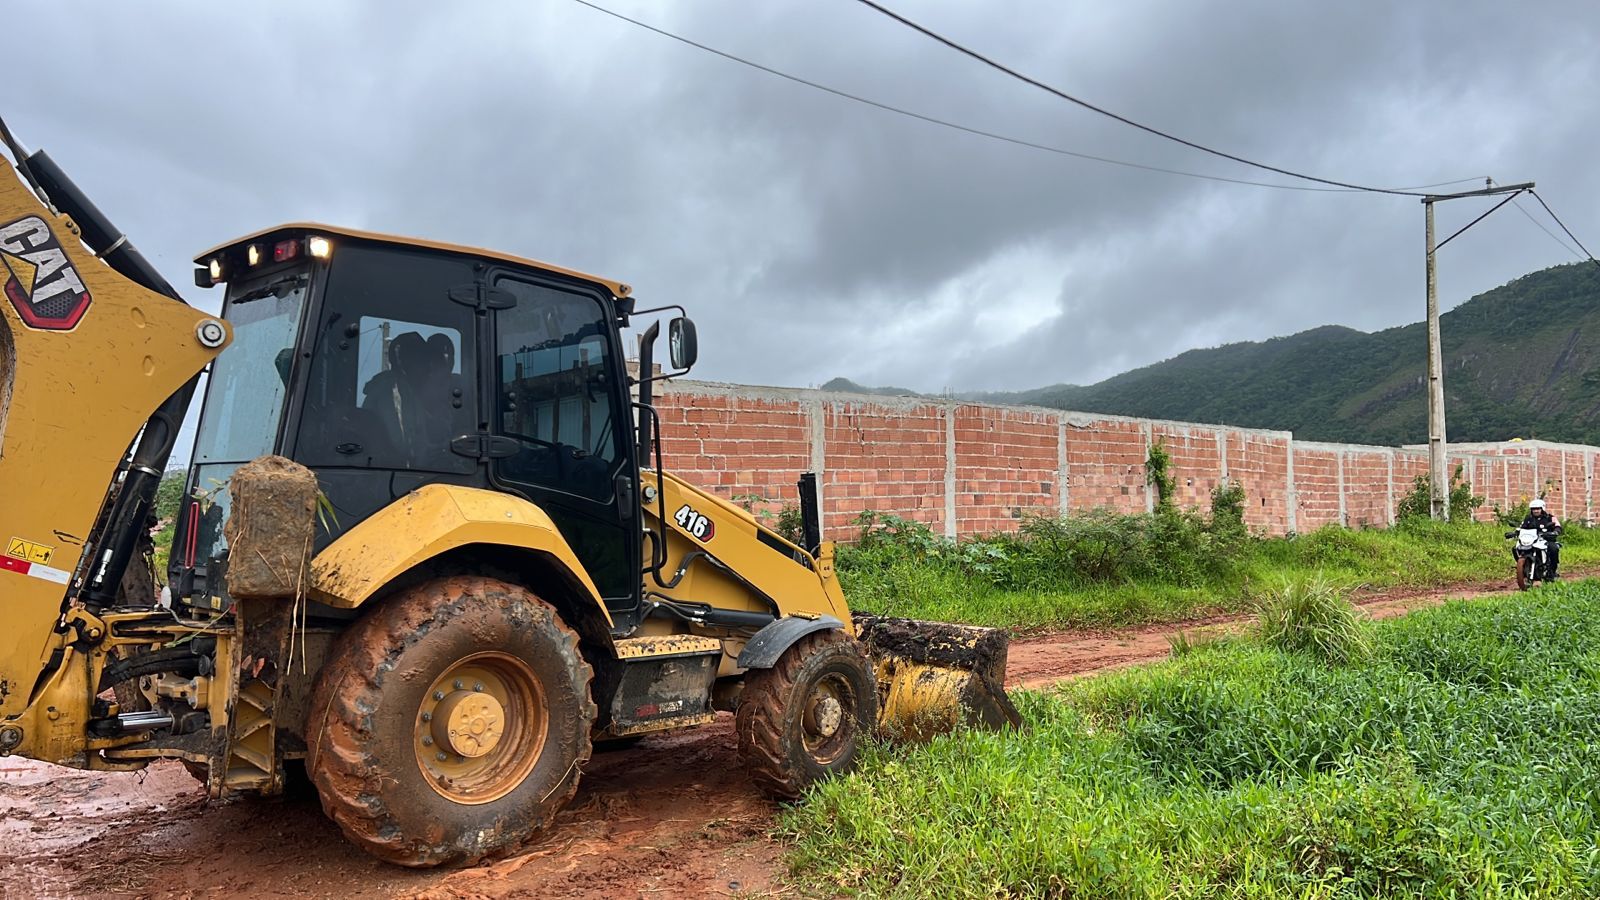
<point x="28" y="551"/>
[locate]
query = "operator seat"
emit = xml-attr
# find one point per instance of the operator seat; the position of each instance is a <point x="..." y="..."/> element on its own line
<point x="442" y="392"/>
<point x="395" y="395"/>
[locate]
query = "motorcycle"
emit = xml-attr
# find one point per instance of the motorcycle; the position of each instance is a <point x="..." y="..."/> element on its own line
<point x="1529" y="550"/>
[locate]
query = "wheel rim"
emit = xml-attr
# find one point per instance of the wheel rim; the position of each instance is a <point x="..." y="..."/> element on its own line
<point x="828" y="718"/>
<point x="481" y="727"/>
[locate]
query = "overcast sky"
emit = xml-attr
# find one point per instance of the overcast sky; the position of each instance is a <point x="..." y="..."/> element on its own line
<point x="812" y="237"/>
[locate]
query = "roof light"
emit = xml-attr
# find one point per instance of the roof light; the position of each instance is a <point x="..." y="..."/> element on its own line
<point x="283" y="250"/>
<point x="215" y="267"/>
<point x="254" y="254"/>
<point x="319" y="247"/>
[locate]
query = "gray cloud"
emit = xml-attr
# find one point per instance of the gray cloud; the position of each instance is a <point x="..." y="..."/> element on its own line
<point x="812" y="237"/>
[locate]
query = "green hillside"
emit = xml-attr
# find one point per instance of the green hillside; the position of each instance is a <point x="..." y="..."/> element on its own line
<point x="1522" y="360"/>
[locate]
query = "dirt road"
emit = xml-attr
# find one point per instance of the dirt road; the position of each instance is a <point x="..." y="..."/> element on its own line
<point x="673" y="816"/>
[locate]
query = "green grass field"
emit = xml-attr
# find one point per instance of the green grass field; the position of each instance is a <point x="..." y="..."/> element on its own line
<point x="1458" y="757"/>
<point x="1041" y="582"/>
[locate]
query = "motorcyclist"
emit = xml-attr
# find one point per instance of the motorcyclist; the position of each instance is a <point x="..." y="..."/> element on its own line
<point x="1549" y="528"/>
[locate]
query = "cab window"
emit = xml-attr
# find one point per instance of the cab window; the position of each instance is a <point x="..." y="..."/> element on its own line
<point x="390" y="384"/>
<point x="555" y="381"/>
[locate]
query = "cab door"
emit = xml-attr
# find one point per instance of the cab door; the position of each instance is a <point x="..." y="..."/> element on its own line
<point x="559" y="394"/>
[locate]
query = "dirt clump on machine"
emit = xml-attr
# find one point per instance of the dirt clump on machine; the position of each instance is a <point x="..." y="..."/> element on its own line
<point x="270" y="528"/>
<point x="936" y="674"/>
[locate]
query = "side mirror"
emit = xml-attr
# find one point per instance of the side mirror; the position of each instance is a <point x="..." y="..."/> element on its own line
<point x="681" y="341"/>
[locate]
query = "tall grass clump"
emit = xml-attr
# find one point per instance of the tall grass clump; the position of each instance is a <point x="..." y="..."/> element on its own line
<point x="1313" y="616"/>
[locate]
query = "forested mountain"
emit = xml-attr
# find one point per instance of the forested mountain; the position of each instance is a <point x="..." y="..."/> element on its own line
<point x="1522" y="360"/>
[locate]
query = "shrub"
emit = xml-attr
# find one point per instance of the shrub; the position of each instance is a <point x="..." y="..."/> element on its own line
<point x="1509" y="517"/>
<point x="887" y="532"/>
<point x="1096" y="546"/>
<point x="1170" y="546"/>
<point x="1227" y="506"/>
<point x="1181" y="549"/>
<point x="1314" y="617"/>
<point x="786" y="521"/>
<point x="1417" y="504"/>
<point x="790" y="524"/>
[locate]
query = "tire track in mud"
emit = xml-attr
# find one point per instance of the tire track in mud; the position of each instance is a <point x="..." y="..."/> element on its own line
<point x="672" y="816"/>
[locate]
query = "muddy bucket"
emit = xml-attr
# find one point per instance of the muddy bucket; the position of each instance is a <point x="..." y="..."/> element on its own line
<point x="934" y="676"/>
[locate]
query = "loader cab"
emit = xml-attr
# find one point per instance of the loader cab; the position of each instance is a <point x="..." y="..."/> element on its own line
<point x="385" y="364"/>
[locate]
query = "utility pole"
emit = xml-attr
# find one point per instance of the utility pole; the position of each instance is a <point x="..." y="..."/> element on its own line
<point x="1438" y="467"/>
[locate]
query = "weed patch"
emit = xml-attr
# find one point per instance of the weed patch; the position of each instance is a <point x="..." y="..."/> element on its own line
<point x="1106" y="569"/>
<point x="1457" y="759"/>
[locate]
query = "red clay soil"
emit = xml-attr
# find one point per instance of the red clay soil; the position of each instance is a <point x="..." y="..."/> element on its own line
<point x="673" y="816"/>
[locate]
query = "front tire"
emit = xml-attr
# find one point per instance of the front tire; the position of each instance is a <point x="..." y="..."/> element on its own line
<point x="1523" y="573"/>
<point x="451" y="723"/>
<point x="803" y="719"/>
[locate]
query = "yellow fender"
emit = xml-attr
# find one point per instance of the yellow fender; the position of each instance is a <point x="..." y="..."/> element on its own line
<point x="433" y="520"/>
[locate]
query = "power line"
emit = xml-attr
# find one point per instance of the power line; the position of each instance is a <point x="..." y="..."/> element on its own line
<point x="1123" y="119"/>
<point x="1540" y="225"/>
<point x="1480" y="218"/>
<point x="1564" y="227"/>
<point x="979" y="132"/>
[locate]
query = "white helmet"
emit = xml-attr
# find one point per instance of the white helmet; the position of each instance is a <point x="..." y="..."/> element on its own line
<point x="1536" y="504"/>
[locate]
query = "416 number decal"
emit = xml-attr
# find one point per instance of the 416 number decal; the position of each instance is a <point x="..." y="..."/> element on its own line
<point x="694" y="523"/>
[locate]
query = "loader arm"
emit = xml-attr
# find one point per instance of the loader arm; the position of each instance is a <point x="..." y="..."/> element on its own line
<point x="931" y="676"/>
<point x="721" y="556"/>
<point x="86" y="357"/>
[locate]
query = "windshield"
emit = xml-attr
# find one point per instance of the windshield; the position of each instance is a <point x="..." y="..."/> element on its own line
<point x="244" y="403"/>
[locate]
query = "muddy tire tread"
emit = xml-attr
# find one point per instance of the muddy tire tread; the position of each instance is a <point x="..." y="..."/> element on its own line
<point x="339" y="767"/>
<point x="760" y="717"/>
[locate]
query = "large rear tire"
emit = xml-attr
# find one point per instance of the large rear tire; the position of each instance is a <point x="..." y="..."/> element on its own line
<point x="451" y="723"/>
<point x="803" y="719"/>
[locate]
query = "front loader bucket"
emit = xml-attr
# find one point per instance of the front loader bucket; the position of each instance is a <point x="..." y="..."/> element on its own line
<point x="933" y="676"/>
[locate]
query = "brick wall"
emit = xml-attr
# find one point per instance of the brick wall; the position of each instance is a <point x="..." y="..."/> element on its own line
<point x="967" y="468"/>
<point x="888" y="456"/>
<point x="1007" y="464"/>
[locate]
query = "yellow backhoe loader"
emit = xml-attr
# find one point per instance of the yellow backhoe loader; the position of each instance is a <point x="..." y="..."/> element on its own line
<point x="427" y="552"/>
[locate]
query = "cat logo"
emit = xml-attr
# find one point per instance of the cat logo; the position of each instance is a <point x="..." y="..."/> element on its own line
<point x="39" y="279"/>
